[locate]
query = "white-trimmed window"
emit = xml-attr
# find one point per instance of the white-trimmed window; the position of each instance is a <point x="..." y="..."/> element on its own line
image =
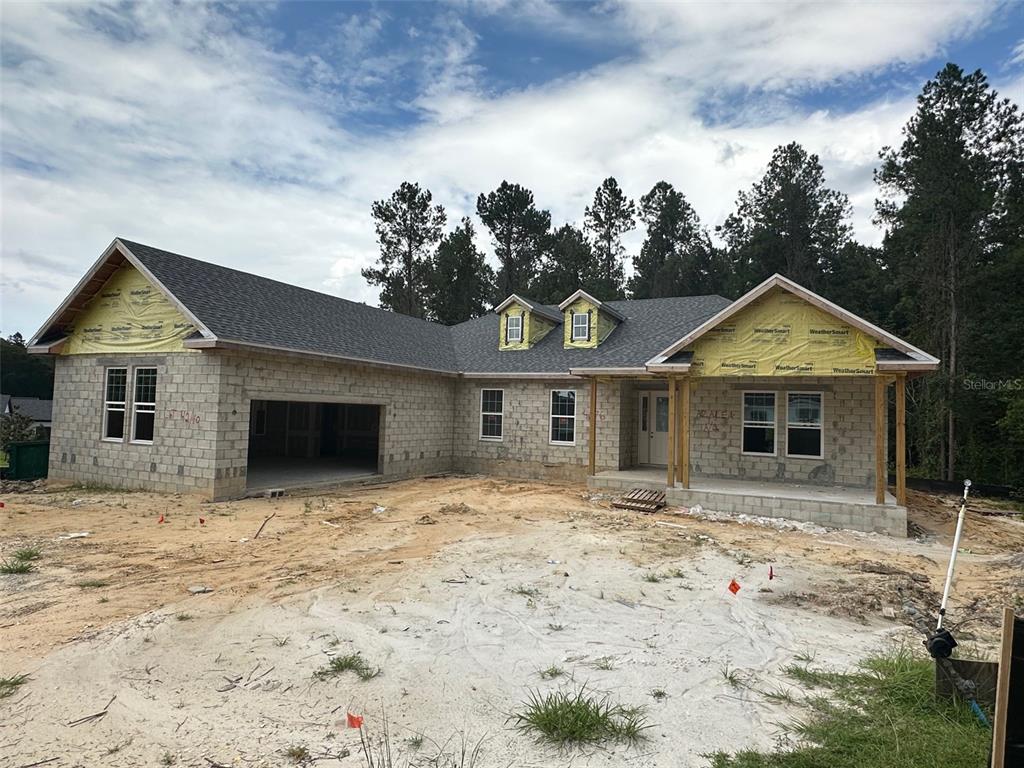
<point x="144" y="405"/>
<point x="492" y="413"/>
<point x="115" y="394"/>
<point x="580" y="326"/>
<point x="759" y="423"/>
<point x="563" y="416"/>
<point x="804" y="425"/>
<point x="513" y="328"/>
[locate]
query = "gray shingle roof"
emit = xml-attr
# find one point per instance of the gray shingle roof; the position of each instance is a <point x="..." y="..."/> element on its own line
<point x="238" y="306"/>
<point x="33" y="407"/>
<point x="241" y="307"/>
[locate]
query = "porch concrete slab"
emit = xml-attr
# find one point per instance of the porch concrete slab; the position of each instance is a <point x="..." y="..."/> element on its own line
<point x="828" y="506"/>
<point x="293" y="473"/>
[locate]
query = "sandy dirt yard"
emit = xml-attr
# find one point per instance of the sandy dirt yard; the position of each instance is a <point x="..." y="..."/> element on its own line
<point x="462" y="591"/>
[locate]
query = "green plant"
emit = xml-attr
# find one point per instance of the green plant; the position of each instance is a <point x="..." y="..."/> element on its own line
<point x="730" y="675"/>
<point x="658" y="694"/>
<point x="168" y="759"/>
<point x="8" y="685"/>
<point x="92" y="583"/>
<point x="551" y="672"/>
<point x="281" y="642"/>
<point x="352" y="662"/>
<point x="884" y="715"/>
<point x="605" y="663"/>
<point x="415" y="741"/>
<point x="183" y="616"/>
<point x="28" y="553"/>
<point x="812" y="678"/>
<point x="568" y="719"/>
<point x="297" y="753"/>
<point x="16" y="566"/>
<point x="652" y="577"/>
<point x="556" y="627"/>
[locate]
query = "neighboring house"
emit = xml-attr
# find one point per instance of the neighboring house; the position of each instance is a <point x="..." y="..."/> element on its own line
<point x="179" y="375"/>
<point x="36" y="409"/>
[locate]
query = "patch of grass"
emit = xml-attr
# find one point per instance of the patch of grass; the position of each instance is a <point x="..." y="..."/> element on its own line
<point x="556" y="627"/>
<point x="605" y="663"/>
<point x="807" y="657"/>
<point x="525" y="591"/>
<point x="415" y="741"/>
<point x="780" y="695"/>
<point x="352" y="662"/>
<point x="16" y="566"/>
<point x="653" y="577"/>
<point x="92" y="583"/>
<point x="568" y="719"/>
<point x="810" y="677"/>
<point x="103" y="600"/>
<point x="731" y="675"/>
<point x="297" y="753"/>
<point x="168" y="759"/>
<point x="8" y="685"/>
<point x="281" y="642"/>
<point x="883" y="715"/>
<point x="184" y="616"/>
<point x="27" y="554"/>
<point x="552" y="672"/>
<point x="659" y="694"/>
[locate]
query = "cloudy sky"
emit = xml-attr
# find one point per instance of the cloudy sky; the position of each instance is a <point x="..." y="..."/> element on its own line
<point x="257" y="135"/>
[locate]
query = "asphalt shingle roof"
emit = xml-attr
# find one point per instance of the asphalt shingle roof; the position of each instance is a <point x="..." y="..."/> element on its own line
<point x="33" y="407"/>
<point x="241" y="307"/>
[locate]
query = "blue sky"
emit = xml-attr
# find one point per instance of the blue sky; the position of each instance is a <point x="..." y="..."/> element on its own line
<point x="258" y="135"/>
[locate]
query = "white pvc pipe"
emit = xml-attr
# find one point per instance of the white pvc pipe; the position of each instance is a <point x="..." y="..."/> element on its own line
<point x="952" y="555"/>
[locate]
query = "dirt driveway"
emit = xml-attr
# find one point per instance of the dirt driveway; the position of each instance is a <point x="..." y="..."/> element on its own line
<point x="466" y="593"/>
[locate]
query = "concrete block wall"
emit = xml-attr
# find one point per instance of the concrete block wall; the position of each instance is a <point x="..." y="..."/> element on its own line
<point x="525" y="449"/>
<point x="716" y="424"/>
<point x="416" y="417"/>
<point x="182" y="456"/>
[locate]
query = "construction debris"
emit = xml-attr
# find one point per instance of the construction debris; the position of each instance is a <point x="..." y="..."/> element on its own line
<point x="641" y="500"/>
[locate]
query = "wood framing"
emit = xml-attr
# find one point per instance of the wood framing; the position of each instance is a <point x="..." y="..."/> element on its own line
<point x="880" y="474"/>
<point x="901" y="439"/>
<point x="1002" y="691"/>
<point x="671" y="468"/>
<point x="592" y="442"/>
<point x="684" y="432"/>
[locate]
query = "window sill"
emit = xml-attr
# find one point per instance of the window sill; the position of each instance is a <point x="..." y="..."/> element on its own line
<point x="491" y="439"/>
<point x="772" y="455"/>
<point x="802" y="456"/>
<point x="140" y="442"/>
<point x="556" y="442"/>
<point x="111" y="439"/>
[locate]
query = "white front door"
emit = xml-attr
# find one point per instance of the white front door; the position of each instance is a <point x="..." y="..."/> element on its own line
<point x="652" y="431"/>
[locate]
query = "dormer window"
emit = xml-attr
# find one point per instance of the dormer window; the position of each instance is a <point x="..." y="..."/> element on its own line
<point x="580" y="326"/>
<point x="514" y="328"/>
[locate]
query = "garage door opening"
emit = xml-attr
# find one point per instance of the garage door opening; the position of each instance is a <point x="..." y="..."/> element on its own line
<point x="299" y="444"/>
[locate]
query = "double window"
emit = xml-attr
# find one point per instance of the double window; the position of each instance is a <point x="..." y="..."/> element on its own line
<point x="803" y="424"/>
<point x="492" y="414"/>
<point x="513" y="328"/>
<point x="143" y="405"/>
<point x="580" y="326"/>
<point x="563" y="416"/>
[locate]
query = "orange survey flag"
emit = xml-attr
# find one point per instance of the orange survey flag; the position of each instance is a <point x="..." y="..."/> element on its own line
<point x="355" y="721"/>
<point x="734" y="586"/>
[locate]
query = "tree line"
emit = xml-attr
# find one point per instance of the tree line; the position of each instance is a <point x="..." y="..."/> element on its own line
<point x="948" y="276"/>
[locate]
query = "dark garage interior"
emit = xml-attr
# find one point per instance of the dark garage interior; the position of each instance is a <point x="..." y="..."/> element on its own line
<point x="299" y="444"/>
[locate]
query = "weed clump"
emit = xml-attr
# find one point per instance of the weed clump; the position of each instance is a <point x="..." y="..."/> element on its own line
<point x="352" y="662"/>
<point x="569" y="719"/>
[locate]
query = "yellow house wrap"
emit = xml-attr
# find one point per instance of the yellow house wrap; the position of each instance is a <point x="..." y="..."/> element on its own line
<point x="600" y="325"/>
<point x="129" y="314"/>
<point x="781" y="334"/>
<point x="535" y="327"/>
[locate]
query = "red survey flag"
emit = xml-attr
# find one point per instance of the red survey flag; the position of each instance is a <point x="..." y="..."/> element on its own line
<point x="202" y="521"/>
<point x="354" y="721"/>
<point x="161" y="519"/>
<point x="734" y="586"/>
<point x="771" y="573"/>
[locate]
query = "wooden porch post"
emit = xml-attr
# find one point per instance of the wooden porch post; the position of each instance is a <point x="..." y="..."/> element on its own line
<point x="592" y="446"/>
<point x="684" y="433"/>
<point x="880" y="473"/>
<point x="671" y="475"/>
<point x="901" y="439"/>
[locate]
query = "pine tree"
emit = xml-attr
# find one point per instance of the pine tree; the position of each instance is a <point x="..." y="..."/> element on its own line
<point x="461" y="282"/>
<point x="788" y="222"/>
<point x="951" y="211"/>
<point x="408" y="227"/>
<point x="677" y="258"/>
<point x="568" y="265"/>
<point x="519" y="231"/>
<point x="611" y="215"/>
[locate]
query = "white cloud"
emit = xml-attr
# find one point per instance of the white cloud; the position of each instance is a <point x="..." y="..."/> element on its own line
<point x="181" y="128"/>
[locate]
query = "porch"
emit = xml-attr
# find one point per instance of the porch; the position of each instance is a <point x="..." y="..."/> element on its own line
<point x="828" y="506"/>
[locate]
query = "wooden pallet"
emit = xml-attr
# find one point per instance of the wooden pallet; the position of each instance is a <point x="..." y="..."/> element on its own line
<point x="641" y="500"/>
